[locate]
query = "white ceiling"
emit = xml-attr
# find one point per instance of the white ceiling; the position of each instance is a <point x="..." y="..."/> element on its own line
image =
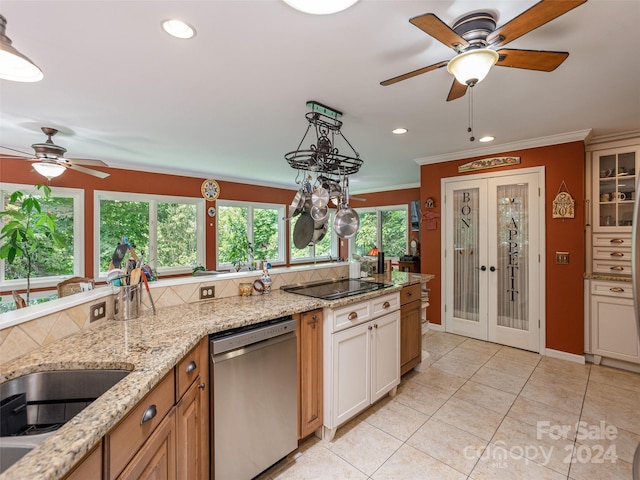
<point x="230" y="103"/>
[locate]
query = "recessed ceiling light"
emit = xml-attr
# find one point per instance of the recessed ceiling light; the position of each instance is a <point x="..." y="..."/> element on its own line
<point x="399" y="131"/>
<point x="320" y="7"/>
<point x="487" y="138"/>
<point x="178" y="29"/>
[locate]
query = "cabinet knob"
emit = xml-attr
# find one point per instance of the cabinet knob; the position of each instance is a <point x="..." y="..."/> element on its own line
<point x="202" y="386"/>
<point x="148" y="414"/>
<point x="492" y="268"/>
<point x="375" y="325"/>
<point x="369" y="327"/>
<point x="617" y="289"/>
<point x="191" y="367"/>
<point x="353" y="316"/>
<point x="386" y="305"/>
<point x="617" y="240"/>
<point x="314" y="318"/>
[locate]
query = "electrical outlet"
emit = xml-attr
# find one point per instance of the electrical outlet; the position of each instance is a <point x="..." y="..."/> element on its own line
<point x="207" y="292"/>
<point x="97" y="311"/>
<point x="562" y="258"/>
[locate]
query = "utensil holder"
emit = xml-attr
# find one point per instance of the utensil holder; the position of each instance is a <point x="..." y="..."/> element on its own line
<point x="127" y="302"/>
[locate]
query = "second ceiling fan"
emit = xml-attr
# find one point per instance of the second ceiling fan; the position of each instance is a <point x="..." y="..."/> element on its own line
<point x="476" y="40"/>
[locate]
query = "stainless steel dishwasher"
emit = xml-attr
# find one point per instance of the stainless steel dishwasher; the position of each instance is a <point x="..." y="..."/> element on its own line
<point x="254" y="407"/>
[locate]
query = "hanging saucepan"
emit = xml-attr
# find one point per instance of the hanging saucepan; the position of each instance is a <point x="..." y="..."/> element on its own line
<point x="297" y="203"/>
<point x="319" y="231"/>
<point x="320" y="197"/>
<point x="319" y="214"/>
<point x="347" y="221"/>
<point x="303" y="231"/>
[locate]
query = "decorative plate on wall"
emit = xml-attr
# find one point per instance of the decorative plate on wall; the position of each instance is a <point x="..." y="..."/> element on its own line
<point x="210" y="190"/>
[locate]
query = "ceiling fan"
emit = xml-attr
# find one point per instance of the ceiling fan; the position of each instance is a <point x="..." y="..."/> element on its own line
<point x="51" y="161"/>
<point x="475" y="39"/>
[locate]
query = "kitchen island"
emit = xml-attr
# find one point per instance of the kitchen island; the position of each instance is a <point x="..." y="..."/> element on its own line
<point x="149" y="347"/>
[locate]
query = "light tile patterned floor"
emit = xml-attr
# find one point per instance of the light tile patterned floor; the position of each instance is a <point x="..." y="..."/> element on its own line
<point x="484" y="411"/>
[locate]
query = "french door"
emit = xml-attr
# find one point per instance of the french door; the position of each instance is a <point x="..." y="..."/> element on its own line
<point x="493" y="241"/>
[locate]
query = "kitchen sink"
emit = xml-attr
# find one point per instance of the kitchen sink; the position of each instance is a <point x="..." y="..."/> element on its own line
<point x="37" y="404"/>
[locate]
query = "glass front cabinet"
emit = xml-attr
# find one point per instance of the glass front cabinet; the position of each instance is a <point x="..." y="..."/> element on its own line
<point x="615" y="176"/>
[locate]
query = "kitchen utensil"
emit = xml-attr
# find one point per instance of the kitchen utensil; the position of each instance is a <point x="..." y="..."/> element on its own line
<point x="319" y="231"/>
<point x="297" y="203"/>
<point x="319" y="214"/>
<point x="303" y="231"/>
<point x="347" y="221"/>
<point x="119" y="254"/>
<point x="146" y="284"/>
<point x="134" y="277"/>
<point x="320" y="197"/>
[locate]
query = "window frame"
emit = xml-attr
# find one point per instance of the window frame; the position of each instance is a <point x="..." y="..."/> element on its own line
<point x="378" y="211"/>
<point x="250" y="206"/>
<point x="152" y="255"/>
<point x="77" y="195"/>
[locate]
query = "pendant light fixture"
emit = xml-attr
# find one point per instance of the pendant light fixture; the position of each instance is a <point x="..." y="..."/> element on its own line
<point x="14" y="65"/>
<point x="320" y="7"/>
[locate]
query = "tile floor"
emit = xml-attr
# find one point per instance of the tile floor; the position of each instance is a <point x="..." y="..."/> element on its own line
<point x="484" y="411"/>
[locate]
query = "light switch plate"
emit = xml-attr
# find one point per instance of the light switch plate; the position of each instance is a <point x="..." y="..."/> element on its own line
<point x="562" y="258"/>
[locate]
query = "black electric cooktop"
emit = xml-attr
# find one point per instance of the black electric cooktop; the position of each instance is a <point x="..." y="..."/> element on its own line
<point x="334" y="289"/>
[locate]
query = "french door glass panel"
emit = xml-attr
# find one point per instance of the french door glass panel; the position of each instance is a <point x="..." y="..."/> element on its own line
<point x="466" y="268"/>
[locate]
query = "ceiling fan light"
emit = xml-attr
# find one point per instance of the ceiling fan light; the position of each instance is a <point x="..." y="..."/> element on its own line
<point x="320" y="7"/>
<point x="13" y="64"/>
<point x="471" y="67"/>
<point x="49" y="169"/>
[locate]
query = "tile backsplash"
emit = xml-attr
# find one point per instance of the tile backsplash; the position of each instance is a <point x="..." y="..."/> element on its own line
<point x="30" y="335"/>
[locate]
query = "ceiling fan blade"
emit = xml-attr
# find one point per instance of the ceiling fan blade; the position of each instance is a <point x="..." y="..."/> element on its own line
<point x="432" y="25"/>
<point x="90" y="171"/>
<point x="420" y="71"/>
<point x="536" y="16"/>
<point x="84" y="161"/>
<point x="457" y="90"/>
<point x="28" y="155"/>
<point x="531" y="59"/>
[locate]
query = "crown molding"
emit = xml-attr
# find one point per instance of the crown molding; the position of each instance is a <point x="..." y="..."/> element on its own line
<point x="577" y="136"/>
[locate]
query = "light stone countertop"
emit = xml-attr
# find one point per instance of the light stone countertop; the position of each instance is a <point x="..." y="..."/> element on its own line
<point x="149" y="346"/>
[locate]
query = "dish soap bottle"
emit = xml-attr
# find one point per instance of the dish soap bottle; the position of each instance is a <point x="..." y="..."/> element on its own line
<point x="266" y="279"/>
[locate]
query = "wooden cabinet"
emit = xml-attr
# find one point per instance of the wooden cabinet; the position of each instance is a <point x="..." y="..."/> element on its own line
<point x="90" y="467"/>
<point x="410" y="328"/>
<point x="361" y="357"/>
<point x="309" y="339"/>
<point x="156" y="460"/>
<point x="161" y="438"/>
<point x="192" y="414"/>
<point x="614" y="332"/>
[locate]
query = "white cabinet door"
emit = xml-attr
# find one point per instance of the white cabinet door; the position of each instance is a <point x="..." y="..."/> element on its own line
<point x="613" y="328"/>
<point x="385" y="354"/>
<point x="351" y="373"/>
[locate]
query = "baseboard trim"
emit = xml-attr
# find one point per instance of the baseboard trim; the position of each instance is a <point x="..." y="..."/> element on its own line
<point x="571" y="357"/>
<point x="614" y="363"/>
<point x="436" y="326"/>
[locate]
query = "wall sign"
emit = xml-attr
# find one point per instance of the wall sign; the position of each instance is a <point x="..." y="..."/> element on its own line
<point x="489" y="163"/>
<point x="564" y="204"/>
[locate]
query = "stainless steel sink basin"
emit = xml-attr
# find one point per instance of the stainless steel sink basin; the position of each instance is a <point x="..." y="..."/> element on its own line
<point x="35" y="405"/>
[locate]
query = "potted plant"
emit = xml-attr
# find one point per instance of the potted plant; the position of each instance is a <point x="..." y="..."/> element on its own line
<point x="27" y="230"/>
<point x="241" y="251"/>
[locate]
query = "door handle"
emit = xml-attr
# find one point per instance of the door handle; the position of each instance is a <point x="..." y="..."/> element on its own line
<point x="483" y="268"/>
<point x="492" y="268"/>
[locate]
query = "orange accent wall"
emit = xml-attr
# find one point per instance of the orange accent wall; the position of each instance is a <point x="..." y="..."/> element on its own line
<point x="564" y="283"/>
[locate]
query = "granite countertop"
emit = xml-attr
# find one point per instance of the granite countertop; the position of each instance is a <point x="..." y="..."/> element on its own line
<point x="149" y="347"/>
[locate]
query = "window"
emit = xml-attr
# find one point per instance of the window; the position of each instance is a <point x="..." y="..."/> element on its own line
<point x="322" y="250"/>
<point x="248" y="232"/>
<point x="168" y="232"/>
<point x="52" y="263"/>
<point x="384" y="227"/>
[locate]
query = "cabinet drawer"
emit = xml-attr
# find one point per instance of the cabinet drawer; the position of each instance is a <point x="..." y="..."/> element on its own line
<point x="410" y="293"/>
<point x="610" y="267"/>
<point x="612" y="253"/>
<point x="612" y="240"/>
<point x="127" y="437"/>
<point x="612" y="289"/>
<point x="387" y="303"/>
<point x="187" y="370"/>
<point x="350" y="315"/>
